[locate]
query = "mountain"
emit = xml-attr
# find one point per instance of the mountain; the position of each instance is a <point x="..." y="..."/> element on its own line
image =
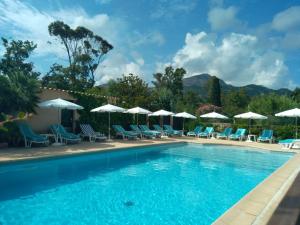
<point x="198" y="84"/>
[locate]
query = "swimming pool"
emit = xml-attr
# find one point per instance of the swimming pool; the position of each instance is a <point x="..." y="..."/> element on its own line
<point x="165" y="184"/>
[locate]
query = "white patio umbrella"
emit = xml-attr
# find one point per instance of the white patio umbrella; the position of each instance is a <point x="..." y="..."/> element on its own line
<point x="137" y="111"/>
<point x="110" y="109"/>
<point x="250" y="116"/>
<point x="291" y="113"/>
<point x="214" y="115"/>
<point x="162" y="113"/>
<point x="59" y="104"/>
<point x="185" y="115"/>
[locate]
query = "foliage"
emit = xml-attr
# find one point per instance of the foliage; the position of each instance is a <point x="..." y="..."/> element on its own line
<point x="296" y="95"/>
<point x="85" y="51"/>
<point x="18" y="81"/>
<point x="207" y="108"/>
<point x="235" y="102"/>
<point x="97" y="120"/>
<point x="214" y="91"/>
<point x="189" y="102"/>
<point x="9" y="133"/>
<point x="168" y="87"/>
<point x="271" y="104"/>
<point x="131" y="91"/>
<point x="15" y="58"/>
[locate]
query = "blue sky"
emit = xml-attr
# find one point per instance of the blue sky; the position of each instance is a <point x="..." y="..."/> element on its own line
<point x="242" y="42"/>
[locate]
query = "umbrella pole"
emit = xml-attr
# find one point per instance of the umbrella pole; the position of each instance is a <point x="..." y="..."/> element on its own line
<point x="296" y="127"/>
<point x="137" y="119"/>
<point x="109" y="126"/>
<point x="183" y="125"/>
<point x="59" y="116"/>
<point x="249" y="126"/>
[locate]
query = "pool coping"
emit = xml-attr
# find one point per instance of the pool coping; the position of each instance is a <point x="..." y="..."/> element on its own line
<point x="256" y="207"/>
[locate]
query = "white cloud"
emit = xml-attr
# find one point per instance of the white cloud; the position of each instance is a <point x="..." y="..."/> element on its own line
<point x="26" y="22"/>
<point x="287" y="20"/>
<point x="168" y="9"/>
<point x="221" y="18"/>
<point x="117" y="65"/>
<point x="238" y="59"/>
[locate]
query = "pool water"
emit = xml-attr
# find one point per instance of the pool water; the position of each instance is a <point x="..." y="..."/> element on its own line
<point x="165" y="184"/>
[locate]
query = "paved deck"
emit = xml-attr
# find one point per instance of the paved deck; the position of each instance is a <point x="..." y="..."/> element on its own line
<point x="255" y="208"/>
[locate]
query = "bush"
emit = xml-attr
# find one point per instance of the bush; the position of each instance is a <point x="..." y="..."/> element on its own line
<point x="9" y="133"/>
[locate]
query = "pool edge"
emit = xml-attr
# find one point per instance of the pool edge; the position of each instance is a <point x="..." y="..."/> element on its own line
<point x="257" y="206"/>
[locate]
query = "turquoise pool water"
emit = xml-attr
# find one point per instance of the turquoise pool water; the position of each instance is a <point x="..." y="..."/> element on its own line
<point x="166" y="184"/>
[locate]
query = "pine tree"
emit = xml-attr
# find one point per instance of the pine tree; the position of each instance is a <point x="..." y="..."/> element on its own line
<point x="215" y="91"/>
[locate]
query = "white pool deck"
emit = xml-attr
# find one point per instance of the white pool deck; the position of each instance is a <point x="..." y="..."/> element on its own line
<point x="255" y="208"/>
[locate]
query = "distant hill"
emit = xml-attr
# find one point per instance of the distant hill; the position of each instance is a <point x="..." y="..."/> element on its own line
<point x="198" y="84"/>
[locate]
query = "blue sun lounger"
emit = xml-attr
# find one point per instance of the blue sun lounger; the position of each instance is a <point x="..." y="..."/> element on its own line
<point x="173" y="132"/>
<point x="31" y="137"/>
<point x="158" y="128"/>
<point x="120" y="131"/>
<point x="195" y="132"/>
<point x="225" y="134"/>
<point x="207" y="132"/>
<point x="289" y="143"/>
<point x="240" y="134"/>
<point x="266" y="136"/>
<point x="64" y="136"/>
<point x="146" y="128"/>
<point x="142" y="133"/>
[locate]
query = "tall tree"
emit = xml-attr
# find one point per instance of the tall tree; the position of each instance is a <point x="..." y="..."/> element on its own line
<point x="235" y="102"/>
<point x="169" y="87"/>
<point x="130" y="90"/>
<point x="15" y="58"/>
<point x="215" y="91"/>
<point x="19" y="86"/>
<point x="296" y="95"/>
<point x="85" y="51"/>
<point x="269" y="104"/>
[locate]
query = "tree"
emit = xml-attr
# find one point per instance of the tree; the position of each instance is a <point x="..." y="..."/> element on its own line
<point x="18" y="93"/>
<point x="171" y="79"/>
<point x="235" y="102"/>
<point x="189" y="102"/>
<point x="15" y="58"/>
<point x="271" y="104"/>
<point x="215" y="91"/>
<point x="168" y="87"/>
<point x="130" y="90"/>
<point x="19" y="86"/>
<point x="85" y="51"/>
<point x="296" y="95"/>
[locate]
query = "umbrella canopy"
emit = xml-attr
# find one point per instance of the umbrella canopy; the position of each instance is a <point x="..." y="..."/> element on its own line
<point x="251" y="115"/>
<point x="185" y="115"/>
<point x="59" y="104"/>
<point x="291" y="113"/>
<point x="110" y="109"/>
<point x="138" y="110"/>
<point x="214" y="115"/>
<point x="162" y="113"/>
